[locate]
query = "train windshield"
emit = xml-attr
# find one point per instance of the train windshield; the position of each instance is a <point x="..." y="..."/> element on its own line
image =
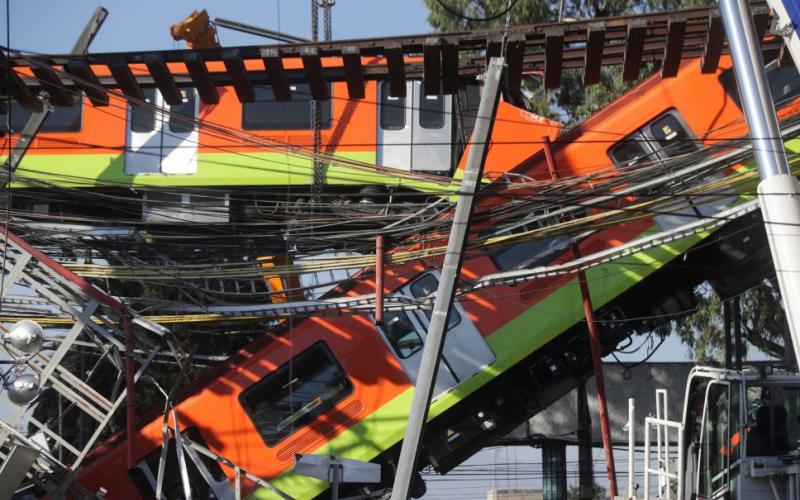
<point x="295" y="394"/>
<point x="773" y="419"/>
<point x="665" y="137"/>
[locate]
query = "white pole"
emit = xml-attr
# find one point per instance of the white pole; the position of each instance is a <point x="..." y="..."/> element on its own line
<point x="631" y="445"/>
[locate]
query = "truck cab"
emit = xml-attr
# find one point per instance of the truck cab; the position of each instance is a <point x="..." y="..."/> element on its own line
<point x="739" y="438"/>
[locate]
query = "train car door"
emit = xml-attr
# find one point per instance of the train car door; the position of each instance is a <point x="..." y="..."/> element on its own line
<point x="405" y="336"/>
<point x="180" y="136"/>
<point x="394" y="127"/>
<point x="431" y="131"/>
<point x="415" y="131"/>
<point x="465" y="350"/>
<point x="143" y="137"/>
<point x="162" y="141"/>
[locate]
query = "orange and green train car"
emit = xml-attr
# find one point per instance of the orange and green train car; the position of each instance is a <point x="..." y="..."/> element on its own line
<point x="343" y="386"/>
<point x="267" y="144"/>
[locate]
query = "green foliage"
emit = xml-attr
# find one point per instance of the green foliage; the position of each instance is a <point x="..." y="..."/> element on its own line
<point x="572" y="102"/>
<point x="763" y="323"/>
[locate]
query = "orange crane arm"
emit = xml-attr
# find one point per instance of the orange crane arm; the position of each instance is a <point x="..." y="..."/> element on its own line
<point x="197" y="30"/>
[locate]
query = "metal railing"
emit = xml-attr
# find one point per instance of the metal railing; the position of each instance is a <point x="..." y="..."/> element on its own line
<point x="665" y="476"/>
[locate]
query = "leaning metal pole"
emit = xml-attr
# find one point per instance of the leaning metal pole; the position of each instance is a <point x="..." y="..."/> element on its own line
<point x="778" y="191"/>
<point x="451" y="268"/>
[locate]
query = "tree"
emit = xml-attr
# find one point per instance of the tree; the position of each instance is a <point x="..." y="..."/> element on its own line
<point x="763" y="323"/>
<point x="572" y="102"/>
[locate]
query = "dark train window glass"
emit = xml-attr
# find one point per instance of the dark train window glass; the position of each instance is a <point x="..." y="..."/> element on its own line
<point x="431" y="111"/>
<point x="143" y="118"/>
<point x="672" y="138"/>
<point x="181" y="116"/>
<point x="401" y="334"/>
<point x="266" y="113"/>
<point x="295" y="394"/>
<point x="630" y="151"/>
<point x="61" y="119"/>
<point x="393" y="110"/>
<point x="784" y="83"/>
<point x="528" y="254"/>
<point x="145" y="474"/>
<point x="427" y="286"/>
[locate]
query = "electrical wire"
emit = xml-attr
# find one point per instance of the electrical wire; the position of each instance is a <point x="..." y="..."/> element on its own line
<point x="485" y="19"/>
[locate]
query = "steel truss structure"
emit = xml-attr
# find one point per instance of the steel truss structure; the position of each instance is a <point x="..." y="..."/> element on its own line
<point x="124" y="340"/>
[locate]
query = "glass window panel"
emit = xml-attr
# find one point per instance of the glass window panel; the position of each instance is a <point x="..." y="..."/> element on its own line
<point x="393" y="110"/>
<point x="61" y="119"/>
<point x="266" y="113"/>
<point x="431" y="111"/>
<point x="784" y="83"/>
<point x="427" y="286"/>
<point x="671" y="136"/>
<point x="773" y="420"/>
<point x="401" y="333"/>
<point x="181" y="116"/>
<point x="143" y="118"/>
<point x="630" y="151"/>
<point x="295" y="394"/>
<point x="529" y="254"/>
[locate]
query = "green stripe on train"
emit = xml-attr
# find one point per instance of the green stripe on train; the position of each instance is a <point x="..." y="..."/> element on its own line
<point x="213" y="169"/>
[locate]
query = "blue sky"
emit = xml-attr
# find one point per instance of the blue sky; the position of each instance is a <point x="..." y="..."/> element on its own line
<point x="51" y="26"/>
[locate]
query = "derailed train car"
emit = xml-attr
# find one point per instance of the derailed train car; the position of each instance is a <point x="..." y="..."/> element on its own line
<point x="342" y="386"/>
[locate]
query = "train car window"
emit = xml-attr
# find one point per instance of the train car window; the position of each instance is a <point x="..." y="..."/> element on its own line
<point x="672" y="136"/>
<point x="296" y="393"/>
<point x="630" y="151"/>
<point x="145" y="473"/>
<point x="266" y="113"/>
<point x="784" y="83"/>
<point x="401" y="334"/>
<point x="61" y="119"/>
<point x="181" y="116"/>
<point x="529" y="254"/>
<point x="431" y="111"/>
<point x="427" y="286"/>
<point x="393" y="110"/>
<point x="143" y="118"/>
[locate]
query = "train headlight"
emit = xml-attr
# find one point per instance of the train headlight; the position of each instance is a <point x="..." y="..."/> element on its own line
<point x="26" y="336"/>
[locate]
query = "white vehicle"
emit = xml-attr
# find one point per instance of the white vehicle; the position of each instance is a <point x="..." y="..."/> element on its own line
<point x="739" y="438"/>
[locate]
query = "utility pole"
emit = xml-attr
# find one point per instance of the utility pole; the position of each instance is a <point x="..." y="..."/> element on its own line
<point x="778" y="191"/>
<point x="451" y="269"/>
